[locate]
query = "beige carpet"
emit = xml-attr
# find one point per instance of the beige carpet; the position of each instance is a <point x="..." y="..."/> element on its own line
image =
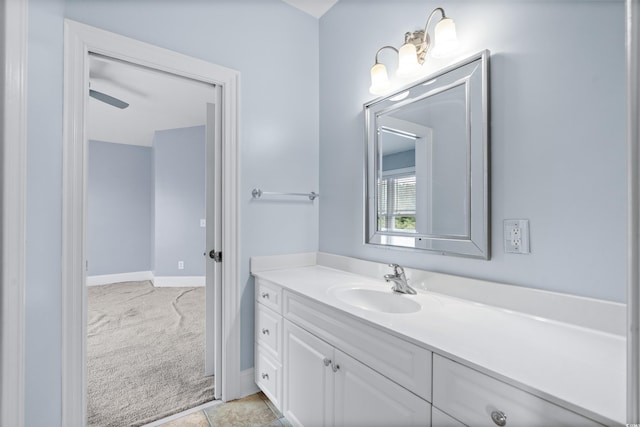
<point x="145" y="353"/>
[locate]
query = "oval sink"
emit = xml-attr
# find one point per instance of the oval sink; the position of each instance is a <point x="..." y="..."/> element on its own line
<point x="373" y="300"/>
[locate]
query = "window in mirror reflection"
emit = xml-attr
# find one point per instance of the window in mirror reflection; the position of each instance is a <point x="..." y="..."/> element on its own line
<point x="397" y="198"/>
<point x="397" y="180"/>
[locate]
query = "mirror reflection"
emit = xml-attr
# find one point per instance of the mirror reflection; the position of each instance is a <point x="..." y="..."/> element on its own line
<point x="415" y="193"/>
<point x="427" y="164"/>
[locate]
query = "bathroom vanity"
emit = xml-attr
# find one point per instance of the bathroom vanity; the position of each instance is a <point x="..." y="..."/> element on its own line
<point x="334" y="346"/>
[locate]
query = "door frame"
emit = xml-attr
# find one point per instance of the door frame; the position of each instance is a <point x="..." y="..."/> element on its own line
<point x="79" y="40"/>
<point x="632" y="33"/>
<point x="14" y="18"/>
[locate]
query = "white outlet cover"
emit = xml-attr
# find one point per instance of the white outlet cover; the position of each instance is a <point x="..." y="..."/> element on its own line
<point x="516" y="236"/>
<point x="203" y="223"/>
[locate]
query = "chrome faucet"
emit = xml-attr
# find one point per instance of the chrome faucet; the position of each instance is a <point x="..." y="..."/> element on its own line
<point x="399" y="280"/>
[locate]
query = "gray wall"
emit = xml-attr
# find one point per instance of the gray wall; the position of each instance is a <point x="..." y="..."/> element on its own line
<point x="279" y="144"/>
<point x="179" y="176"/>
<point x="119" y="208"/>
<point x="557" y="135"/>
<point x="145" y="205"/>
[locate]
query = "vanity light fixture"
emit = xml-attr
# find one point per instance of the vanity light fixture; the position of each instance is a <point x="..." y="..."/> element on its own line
<point x="414" y="50"/>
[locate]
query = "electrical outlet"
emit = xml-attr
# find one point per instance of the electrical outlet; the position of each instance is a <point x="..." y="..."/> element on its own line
<point x="203" y="223"/>
<point x="180" y="265"/>
<point x="516" y="236"/>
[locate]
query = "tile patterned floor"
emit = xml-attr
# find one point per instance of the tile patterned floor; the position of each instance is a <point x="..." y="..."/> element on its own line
<point x="252" y="411"/>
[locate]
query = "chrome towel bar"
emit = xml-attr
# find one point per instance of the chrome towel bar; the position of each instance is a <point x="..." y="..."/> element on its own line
<point x="257" y="193"/>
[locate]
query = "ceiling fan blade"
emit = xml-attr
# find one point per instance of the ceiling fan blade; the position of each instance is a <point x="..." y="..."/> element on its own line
<point x="108" y="99"/>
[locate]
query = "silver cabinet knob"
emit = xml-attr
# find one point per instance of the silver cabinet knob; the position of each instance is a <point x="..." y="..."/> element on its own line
<point x="265" y="295"/>
<point x="328" y="362"/>
<point x="265" y="331"/>
<point x="499" y="418"/>
<point x="265" y="376"/>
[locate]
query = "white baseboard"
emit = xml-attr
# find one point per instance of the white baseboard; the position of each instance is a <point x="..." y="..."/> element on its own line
<point x="178" y="281"/>
<point x="137" y="276"/>
<point x="106" y="279"/>
<point x="247" y="383"/>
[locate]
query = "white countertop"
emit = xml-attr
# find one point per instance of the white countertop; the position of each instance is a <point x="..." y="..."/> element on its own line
<point x="584" y="369"/>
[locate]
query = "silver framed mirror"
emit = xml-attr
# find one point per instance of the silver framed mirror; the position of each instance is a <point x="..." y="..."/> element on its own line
<point x="427" y="163"/>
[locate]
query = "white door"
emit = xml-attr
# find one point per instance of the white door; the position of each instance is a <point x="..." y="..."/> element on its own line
<point x="363" y="397"/>
<point x="308" y="378"/>
<point x="213" y="255"/>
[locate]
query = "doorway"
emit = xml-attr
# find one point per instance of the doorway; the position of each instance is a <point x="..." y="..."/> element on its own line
<point x="152" y="211"/>
<point x="81" y="41"/>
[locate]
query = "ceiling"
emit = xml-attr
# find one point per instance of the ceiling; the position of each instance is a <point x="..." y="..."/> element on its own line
<point x="157" y="101"/>
<point x="315" y="8"/>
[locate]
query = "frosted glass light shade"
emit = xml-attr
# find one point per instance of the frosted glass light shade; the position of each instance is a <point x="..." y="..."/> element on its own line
<point x="445" y="39"/>
<point x="380" y="83"/>
<point x="407" y="61"/>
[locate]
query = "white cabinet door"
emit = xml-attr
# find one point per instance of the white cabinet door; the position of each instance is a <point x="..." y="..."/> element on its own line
<point x="363" y="397"/>
<point x="308" y="378"/>
<point x="440" y="419"/>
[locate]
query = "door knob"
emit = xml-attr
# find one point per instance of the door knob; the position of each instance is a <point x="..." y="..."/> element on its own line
<point x="215" y="255"/>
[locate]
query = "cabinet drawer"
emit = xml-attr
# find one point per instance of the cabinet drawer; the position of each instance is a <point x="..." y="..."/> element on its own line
<point x="269" y="331"/>
<point x="268" y="373"/>
<point x="475" y="398"/>
<point x="400" y="361"/>
<point x="269" y="294"/>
